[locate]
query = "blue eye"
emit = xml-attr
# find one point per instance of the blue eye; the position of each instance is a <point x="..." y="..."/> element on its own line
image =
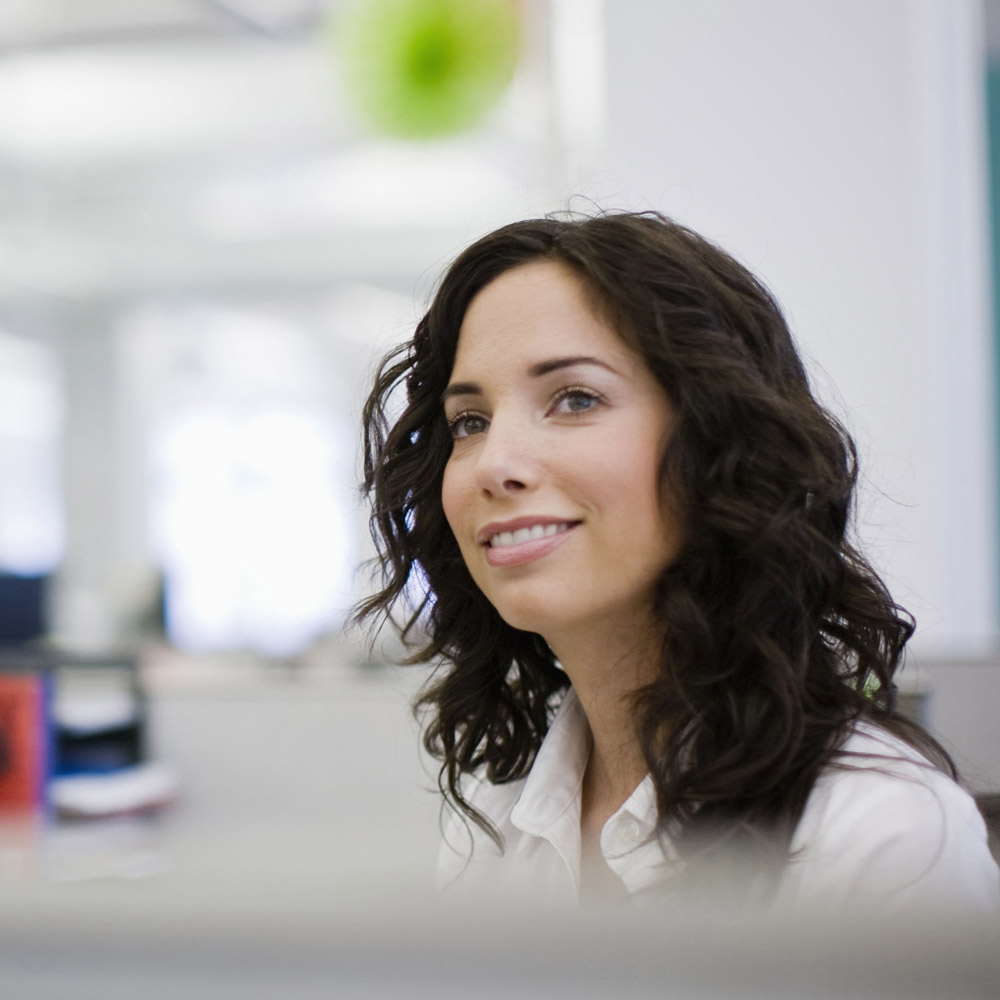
<point x="465" y="424"/>
<point x="576" y="401"/>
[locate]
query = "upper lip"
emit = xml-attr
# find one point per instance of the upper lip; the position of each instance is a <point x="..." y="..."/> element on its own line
<point x="528" y="521"/>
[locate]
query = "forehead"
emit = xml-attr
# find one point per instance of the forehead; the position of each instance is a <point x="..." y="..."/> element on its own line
<point x="531" y="312"/>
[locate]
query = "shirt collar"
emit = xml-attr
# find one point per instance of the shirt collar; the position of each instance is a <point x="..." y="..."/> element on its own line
<point x="552" y="788"/>
<point x="549" y="805"/>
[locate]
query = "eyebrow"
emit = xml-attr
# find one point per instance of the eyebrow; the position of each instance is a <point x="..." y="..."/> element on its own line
<point x="537" y="370"/>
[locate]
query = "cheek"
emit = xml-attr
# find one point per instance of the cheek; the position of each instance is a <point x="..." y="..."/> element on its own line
<point x="452" y="500"/>
<point x="455" y="504"/>
<point x="637" y="496"/>
<point x="625" y="470"/>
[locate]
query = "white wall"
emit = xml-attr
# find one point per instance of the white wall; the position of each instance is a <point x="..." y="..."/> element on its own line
<point x="837" y="148"/>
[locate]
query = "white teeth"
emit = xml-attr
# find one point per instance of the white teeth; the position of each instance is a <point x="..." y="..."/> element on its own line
<point x="536" y="531"/>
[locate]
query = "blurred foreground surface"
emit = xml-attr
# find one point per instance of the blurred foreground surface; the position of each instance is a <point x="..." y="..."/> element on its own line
<point x="299" y="862"/>
<point x="224" y="930"/>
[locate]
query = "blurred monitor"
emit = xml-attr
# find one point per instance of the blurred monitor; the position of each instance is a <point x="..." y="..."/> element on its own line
<point x="22" y="607"/>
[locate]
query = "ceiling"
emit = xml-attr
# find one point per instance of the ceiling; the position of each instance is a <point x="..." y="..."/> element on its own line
<point x="32" y="25"/>
<point x="164" y="147"/>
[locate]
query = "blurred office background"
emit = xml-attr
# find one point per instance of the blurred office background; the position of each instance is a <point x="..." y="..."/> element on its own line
<point x="211" y="225"/>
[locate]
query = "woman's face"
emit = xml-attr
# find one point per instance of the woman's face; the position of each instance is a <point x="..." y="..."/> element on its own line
<point x="551" y="488"/>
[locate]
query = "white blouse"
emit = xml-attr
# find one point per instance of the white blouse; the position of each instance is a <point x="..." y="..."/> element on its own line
<point x="891" y="831"/>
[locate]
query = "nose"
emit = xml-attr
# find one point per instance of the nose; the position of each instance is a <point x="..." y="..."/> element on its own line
<point x="505" y="464"/>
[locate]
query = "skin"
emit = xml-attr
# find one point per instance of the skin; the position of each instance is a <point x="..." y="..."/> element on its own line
<point x="541" y="435"/>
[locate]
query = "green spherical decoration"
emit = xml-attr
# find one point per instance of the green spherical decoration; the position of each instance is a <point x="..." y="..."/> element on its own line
<point x="426" y="68"/>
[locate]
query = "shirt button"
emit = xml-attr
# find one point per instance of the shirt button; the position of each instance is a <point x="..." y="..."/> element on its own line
<point x="629" y="830"/>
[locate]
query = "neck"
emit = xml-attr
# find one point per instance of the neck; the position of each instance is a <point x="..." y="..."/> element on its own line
<point x="607" y="667"/>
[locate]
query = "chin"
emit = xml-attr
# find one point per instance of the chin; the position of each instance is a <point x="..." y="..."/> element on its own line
<point x="526" y="616"/>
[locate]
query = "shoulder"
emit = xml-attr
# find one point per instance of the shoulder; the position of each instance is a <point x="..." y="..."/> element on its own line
<point x="518" y="810"/>
<point x="883" y="822"/>
<point x="462" y="841"/>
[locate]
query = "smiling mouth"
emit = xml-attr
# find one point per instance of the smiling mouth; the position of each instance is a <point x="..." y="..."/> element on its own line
<point x="505" y="539"/>
<point x="524" y="546"/>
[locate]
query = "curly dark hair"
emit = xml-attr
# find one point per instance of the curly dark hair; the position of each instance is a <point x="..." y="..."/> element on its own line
<point x="777" y="635"/>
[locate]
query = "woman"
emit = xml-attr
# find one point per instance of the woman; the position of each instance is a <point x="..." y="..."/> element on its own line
<point x="660" y="658"/>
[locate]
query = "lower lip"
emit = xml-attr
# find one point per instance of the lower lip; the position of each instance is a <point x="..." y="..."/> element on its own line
<point x="525" y="552"/>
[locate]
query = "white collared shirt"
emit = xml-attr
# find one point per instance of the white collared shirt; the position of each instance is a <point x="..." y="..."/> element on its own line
<point x="890" y="829"/>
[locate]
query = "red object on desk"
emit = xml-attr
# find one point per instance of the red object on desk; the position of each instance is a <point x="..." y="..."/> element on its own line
<point x="24" y="742"/>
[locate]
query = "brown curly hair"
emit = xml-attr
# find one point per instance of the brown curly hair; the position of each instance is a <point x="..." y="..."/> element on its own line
<point x="777" y="635"/>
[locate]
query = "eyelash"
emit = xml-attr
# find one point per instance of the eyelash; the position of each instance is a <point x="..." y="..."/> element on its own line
<point x="573" y="390"/>
<point x="577" y="390"/>
<point x="455" y="421"/>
